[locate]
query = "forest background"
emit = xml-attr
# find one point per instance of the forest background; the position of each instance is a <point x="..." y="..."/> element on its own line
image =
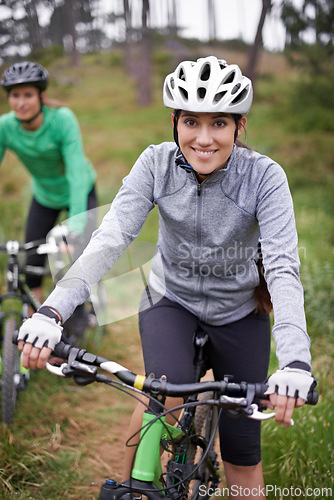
<point x="66" y="439"/>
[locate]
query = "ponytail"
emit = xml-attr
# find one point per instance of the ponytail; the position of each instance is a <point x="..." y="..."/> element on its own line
<point x="261" y="293"/>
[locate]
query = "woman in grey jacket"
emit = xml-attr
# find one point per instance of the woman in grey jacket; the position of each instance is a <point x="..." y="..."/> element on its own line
<point x="217" y="202"/>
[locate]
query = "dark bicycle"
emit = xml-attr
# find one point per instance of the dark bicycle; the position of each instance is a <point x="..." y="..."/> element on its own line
<point x="15" y="303"/>
<point x="14" y="308"/>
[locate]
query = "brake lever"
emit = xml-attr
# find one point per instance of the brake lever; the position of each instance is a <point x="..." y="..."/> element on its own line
<point x="56" y="370"/>
<point x="84" y="373"/>
<point x="259" y="415"/>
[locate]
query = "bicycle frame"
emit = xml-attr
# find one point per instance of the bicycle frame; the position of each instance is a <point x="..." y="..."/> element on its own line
<point x="147" y="466"/>
<point x="147" y="470"/>
<point x="18" y="297"/>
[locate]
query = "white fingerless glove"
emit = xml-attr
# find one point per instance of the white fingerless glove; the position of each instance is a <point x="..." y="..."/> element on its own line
<point x="292" y="382"/>
<point x="40" y="331"/>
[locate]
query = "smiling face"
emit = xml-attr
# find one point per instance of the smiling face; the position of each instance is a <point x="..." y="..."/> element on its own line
<point x="206" y="139"/>
<point x="25" y="101"/>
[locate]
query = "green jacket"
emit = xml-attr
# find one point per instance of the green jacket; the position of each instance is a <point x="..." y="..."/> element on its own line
<point x="62" y="176"/>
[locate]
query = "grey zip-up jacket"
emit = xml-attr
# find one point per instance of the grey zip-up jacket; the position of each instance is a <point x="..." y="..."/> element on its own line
<point x="208" y="242"/>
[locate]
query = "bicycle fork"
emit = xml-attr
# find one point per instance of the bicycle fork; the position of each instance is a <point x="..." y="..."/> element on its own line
<point x="147" y="470"/>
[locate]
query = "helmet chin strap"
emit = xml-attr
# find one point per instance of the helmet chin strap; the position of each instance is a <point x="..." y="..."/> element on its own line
<point x="182" y="162"/>
<point x="32" y="118"/>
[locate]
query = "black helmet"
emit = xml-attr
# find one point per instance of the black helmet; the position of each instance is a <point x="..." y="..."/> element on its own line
<point x="25" y="72"/>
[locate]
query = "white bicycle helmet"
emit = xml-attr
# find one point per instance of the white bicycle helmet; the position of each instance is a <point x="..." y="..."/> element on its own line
<point x="208" y="85"/>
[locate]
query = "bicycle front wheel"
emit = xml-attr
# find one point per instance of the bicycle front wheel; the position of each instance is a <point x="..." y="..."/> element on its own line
<point x="206" y="473"/>
<point x="10" y="371"/>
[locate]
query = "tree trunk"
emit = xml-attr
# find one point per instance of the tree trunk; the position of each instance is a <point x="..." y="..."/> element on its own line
<point x="127" y="42"/>
<point x="70" y="14"/>
<point x="144" y="66"/>
<point x="212" y="20"/>
<point x="254" y="51"/>
<point x="33" y="25"/>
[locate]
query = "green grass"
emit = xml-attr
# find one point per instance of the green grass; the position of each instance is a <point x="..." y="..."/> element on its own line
<point x="34" y="461"/>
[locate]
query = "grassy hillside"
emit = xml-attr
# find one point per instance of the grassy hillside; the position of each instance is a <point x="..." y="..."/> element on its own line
<point x="57" y="445"/>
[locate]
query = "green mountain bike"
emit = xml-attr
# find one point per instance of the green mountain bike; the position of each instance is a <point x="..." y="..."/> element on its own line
<point x="192" y="469"/>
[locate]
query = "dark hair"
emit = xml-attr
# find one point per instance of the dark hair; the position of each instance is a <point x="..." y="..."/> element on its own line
<point x="262" y="297"/>
<point x="236" y="140"/>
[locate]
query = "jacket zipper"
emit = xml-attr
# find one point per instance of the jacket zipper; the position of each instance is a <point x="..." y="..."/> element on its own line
<point x="199" y="246"/>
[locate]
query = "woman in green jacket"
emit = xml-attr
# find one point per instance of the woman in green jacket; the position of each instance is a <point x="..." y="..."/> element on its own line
<point x="47" y="140"/>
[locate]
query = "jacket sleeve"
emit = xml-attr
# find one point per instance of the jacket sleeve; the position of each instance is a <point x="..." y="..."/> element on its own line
<point x="76" y="168"/>
<point x="120" y="226"/>
<point x="278" y="237"/>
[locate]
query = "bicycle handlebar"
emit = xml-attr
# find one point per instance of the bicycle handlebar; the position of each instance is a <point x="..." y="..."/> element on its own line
<point x="155" y="386"/>
<point x="13" y="247"/>
<point x="84" y="364"/>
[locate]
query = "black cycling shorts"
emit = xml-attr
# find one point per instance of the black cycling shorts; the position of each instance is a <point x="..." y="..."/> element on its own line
<point x="240" y="349"/>
<point x="40" y="221"/>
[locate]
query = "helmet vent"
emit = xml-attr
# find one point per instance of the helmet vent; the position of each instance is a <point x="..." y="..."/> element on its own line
<point x="168" y="92"/>
<point x="201" y="92"/>
<point x="229" y="78"/>
<point x="235" y="88"/>
<point x="184" y="93"/>
<point x="241" y="96"/>
<point x="182" y="75"/>
<point x="172" y="83"/>
<point x="218" y="97"/>
<point x="205" y="74"/>
<point x="222" y="63"/>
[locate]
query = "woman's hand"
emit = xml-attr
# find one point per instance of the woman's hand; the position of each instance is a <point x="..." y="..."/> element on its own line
<point x="284" y="408"/>
<point x="37" y="338"/>
<point x="288" y="389"/>
<point x="33" y="357"/>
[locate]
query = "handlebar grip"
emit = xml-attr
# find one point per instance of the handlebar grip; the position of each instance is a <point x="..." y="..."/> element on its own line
<point x="62" y="350"/>
<point x="312" y="397"/>
<point x="15" y="337"/>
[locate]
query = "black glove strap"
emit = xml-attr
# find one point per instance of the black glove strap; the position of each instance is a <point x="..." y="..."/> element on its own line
<point x="48" y="312"/>
<point x="301" y="365"/>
